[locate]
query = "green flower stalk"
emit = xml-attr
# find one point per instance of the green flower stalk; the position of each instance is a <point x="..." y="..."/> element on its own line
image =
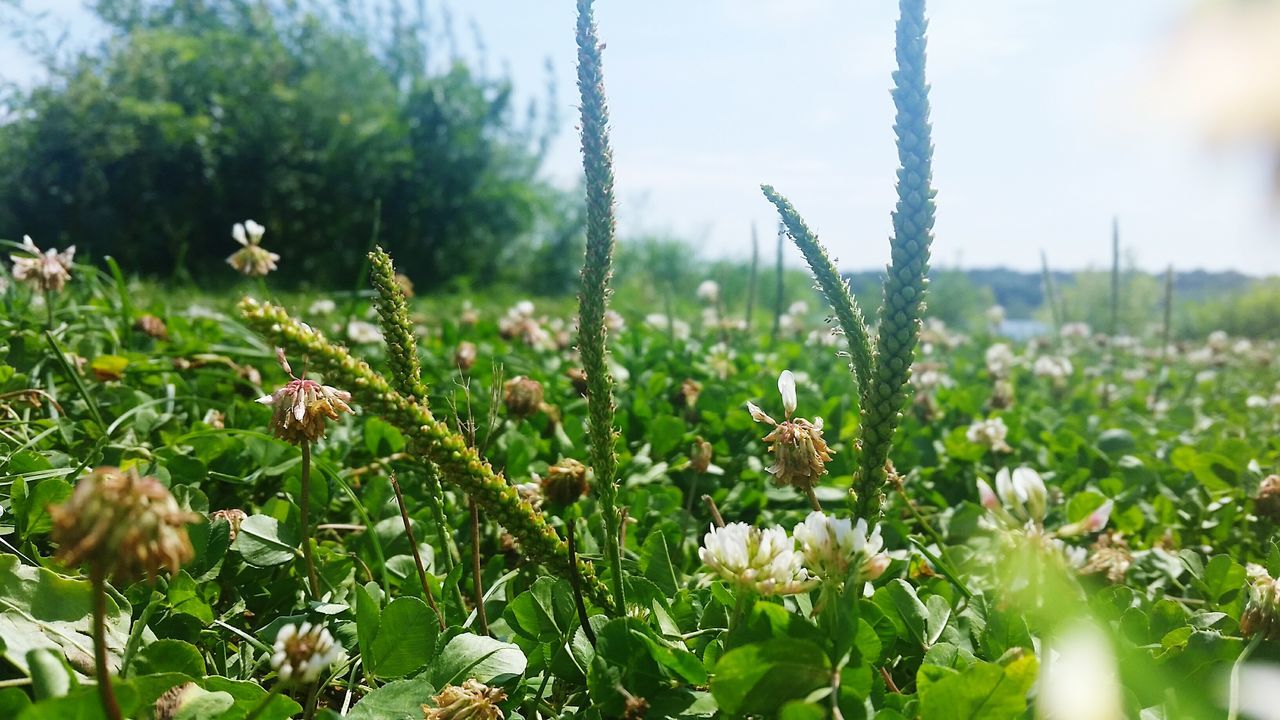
<point x="397" y="329"/>
<point x="597" y="164"/>
<point x="905" y="280"/>
<point x="430" y="438"/>
<point x="834" y="287"/>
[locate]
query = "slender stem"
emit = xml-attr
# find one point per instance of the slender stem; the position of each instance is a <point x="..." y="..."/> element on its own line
<point x="304" y="508"/>
<point x="105" y="691"/>
<point x="477" y="582"/>
<point x="715" y="511"/>
<point x="1233" y="711"/>
<point x="313" y="695"/>
<point x="263" y="703"/>
<point x="48" y="306"/>
<point x="813" y="499"/>
<point x="135" y="635"/>
<point x="576" y="583"/>
<point x="417" y="556"/>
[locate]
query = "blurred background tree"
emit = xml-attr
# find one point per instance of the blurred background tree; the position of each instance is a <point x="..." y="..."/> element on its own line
<point x="195" y="114"/>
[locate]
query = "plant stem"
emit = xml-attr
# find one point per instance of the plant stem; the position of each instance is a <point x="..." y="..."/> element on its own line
<point x="304" y="509"/>
<point x="135" y="635"/>
<point x="477" y="580"/>
<point x="576" y="583"/>
<point x="715" y="511"/>
<point x="105" y="691"/>
<point x="1233" y="711"/>
<point x="263" y="703"/>
<point x="417" y="556"/>
<point x="48" y="307"/>
<point x="813" y="499"/>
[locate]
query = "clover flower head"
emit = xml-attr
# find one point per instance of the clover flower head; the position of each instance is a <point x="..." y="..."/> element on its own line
<point x="990" y="433"/>
<point x="565" y="482"/>
<point x="1055" y="368"/>
<point x="363" y="332"/>
<point x="123" y="524"/>
<point x="251" y="260"/>
<point x="472" y="700"/>
<point x="995" y="315"/>
<point x="709" y="291"/>
<point x="763" y="561"/>
<point x="301" y="407"/>
<point x="800" y="453"/>
<point x="1076" y="331"/>
<point x="833" y="547"/>
<point x="999" y="359"/>
<point x="522" y="396"/>
<point x="303" y="652"/>
<point x="44" y="270"/>
<point x="1262" y="607"/>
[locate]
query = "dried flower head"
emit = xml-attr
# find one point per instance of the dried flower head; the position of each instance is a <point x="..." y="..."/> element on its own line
<point x="565" y="482"/>
<point x="522" y="396"/>
<point x="700" y="456"/>
<point x="406" y="285"/>
<point x="835" y="547"/>
<point x="233" y="516"/>
<point x="1109" y="557"/>
<point x="153" y="326"/>
<point x="123" y="524"/>
<point x="690" y="389"/>
<point x="302" y="653"/>
<point x="1267" y="502"/>
<point x="251" y="260"/>
<point x="472" y="700"/>
<point x="46" y="271"/>
<point x="1262" y="608"/>
<point x="762" y="561"/>
<point x="800" y="453"/>
<point x="301" y="407"/>
<point x="464" y="356"/>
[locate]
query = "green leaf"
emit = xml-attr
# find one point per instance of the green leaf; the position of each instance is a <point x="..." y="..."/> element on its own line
<point x="476" y="656"/>
<point x="910" y="609"/>
<point x="404" y="640"/>
<point x="50" y="675"/>
<point x="761" y="677"/>
<point x="655" y="563"/>
<point x="984" y="690"/>
<point x="397" y="700"/>
<point x="264" y="542"/>
<point x="168" y="655"/>
<point x="34" y="518"/>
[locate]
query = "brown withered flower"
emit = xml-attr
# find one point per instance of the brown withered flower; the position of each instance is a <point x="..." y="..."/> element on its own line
<point x="233" y="516"/>
<point x="1110" y="557"/>
<point x="690" y="389"/>
<point x="301" y="407"/>
<point x="472" y="700"/>
<point x="578" y="377"/>
<point x="1267" y="502"/>
<point x="522" y="396"/>
<point x="800" y="454"/>
<point x="1262" y="607"/>
<point x="565" y="482"/>
<point x="700" y="456"/>
<point x="465" y="355"/>
<point x="125" y="525"/>
<point x="152" y="326"/>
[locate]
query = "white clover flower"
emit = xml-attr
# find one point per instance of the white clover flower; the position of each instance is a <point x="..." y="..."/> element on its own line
<point x="832" y="547"/>
<point x="995" y="316"/>
<point x="251" y="259"/>
<point x="1218" y="341"/>
<point x="363" y="332"/>
<point x="1022" y="494"/>
<point x="1076" y="331"/>
<point x="1000" y="360"/>
<point x="322" y="306"/>
<point x="1056" y="368"/>
<point x="1079" y="678"/>
<point x="990" y="433"/>
<point x="303" y="652"/>
<point x="762" y="561"/>
<point x="47" y="270"/>
<point x="709" y="291"/>
<point x="679" y="328"/>
<point x="1255" y="401"/>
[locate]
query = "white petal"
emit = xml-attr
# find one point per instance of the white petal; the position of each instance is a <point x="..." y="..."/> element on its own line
<point x="787" y="387"/>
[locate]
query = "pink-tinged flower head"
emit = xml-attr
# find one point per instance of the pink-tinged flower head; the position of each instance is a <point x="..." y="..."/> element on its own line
<point x="47" y="270"/>
<point x="302" y="406"/>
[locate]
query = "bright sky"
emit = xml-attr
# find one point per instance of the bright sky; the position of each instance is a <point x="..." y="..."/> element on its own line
<point x="1041" y="128"/>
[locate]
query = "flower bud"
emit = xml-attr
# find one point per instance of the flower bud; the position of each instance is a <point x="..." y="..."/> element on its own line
<point x="700" y="456"/>
<point x="124" y="525"/>
<point x="46" y="271"/>
<point x="1262" y="608"/>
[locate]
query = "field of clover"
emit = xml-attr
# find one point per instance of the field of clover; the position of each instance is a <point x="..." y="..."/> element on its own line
<point x="399" y="507"/>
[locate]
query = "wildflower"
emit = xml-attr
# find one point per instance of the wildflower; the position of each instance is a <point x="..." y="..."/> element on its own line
<point x="1255" y="401"/>
<point x="1109" y="557"/>
<point x="1093" y="522"/>
<point x="302" y="653"/>
<point x="531" y="492"/>
<point x="468" y="316"/>
<point x="47" y="271"/>
<point x="832" y="547"/>
<point x="362" y="332"/>
<point x="251" y="259"/>
<point x="700" y="456"/>
<point x="995" y="316"/>
<point x="763" y="561"/>
<point x="565" y="482"/>
<point x="152" y="326"/>
<point x="522" y="396"/>
<point x="465" y="355"/>
<point x="1218" y="341"/>
<point x="1075" y="331"/>
<point x="519" y="323"/>
<point x="800" y="453"/>
<point x="709" y="292"/>
<point x="1019" y="496"/>
<point x="679" y="329"/>
<point x="1002" y="394"/>
<point x="322" y="306"/>
<point x="991" y="433"/>
<point x="215" y="419"/>
<point x="1267" y="502"/>
<point x="1055" y="368"/>
<point x="690" y="389"/>
<point x="614" y="322"/>
<point x="472" y="700"/>
<point x="300" y="408"/>
<point x="123" y="524"/>
<point x="1262" y="607"/>
<point x="233" y="516"/>
<point x="1079" y="678"/>
<point x="999" y="360"/>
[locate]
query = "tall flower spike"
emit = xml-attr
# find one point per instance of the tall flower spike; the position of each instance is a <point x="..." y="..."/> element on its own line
<point x="597" y="165"/>
<point x="47" y="271"/>
<point x="905" y="279"/>
<point x="430" y="439"/>
<point x="301" y="407"/>
<point x="397" y="328"/>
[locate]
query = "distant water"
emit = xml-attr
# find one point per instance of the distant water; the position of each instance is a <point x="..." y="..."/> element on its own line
<point x="1022" y="329"/>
